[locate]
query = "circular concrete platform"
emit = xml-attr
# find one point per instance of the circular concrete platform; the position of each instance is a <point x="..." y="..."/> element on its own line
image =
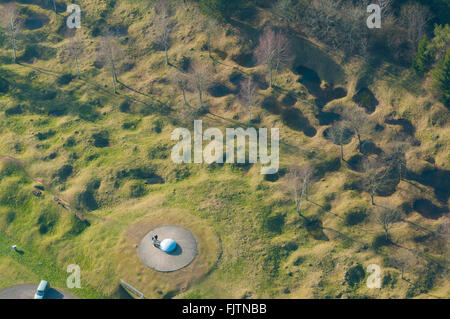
<point x="180" y="257"/>
<point x="28" y="291"/>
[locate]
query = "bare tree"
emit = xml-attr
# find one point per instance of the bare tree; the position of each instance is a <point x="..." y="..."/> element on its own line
<point x="200" y="79"/>
<point x="181" y="82"/>
<point x="351" y="34"/>
<point x="273" y="51"/>
<point x="111" y="53"/>
<point x="186" y="114"/>
<point x="163" y="28"/>
<point x="414" y="17"/>
<point x="299" y="180"/>
<point x="12" y="22"/>
<point x="211" y="28"/>
<point x="405" y="260"/>
<point x="161" y="7"/>
<point x="374" y="174"/>
<point x="337" y="134"/>
<point x="386" y="218"/>
<point x="54" y="5"/>
<point x="288" y="12"/>
<point x="74" y="50"/>
<point x="247" y="94"/>
<point x="357" y="121"/>
<point x="443" y="237"/>
<point x="396" y="158"/>
<point x="386" y="7"/>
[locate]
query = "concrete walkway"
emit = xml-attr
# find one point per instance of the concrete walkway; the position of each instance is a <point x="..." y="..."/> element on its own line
<point x="28" y="291"/>
<point x="182" y="256"/>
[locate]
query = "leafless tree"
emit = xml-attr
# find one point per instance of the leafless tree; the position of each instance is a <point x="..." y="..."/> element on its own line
<point x="386" y="7"/>
<point x="181" y="82"/>
<point x="354" y="33"/>
<point x="111" y="54"/>
<point x="200" y="79"/>
<point x="211" y="28"/>
<point x="288" y="12"/>
<point x="337" y="133"/>
<point x="248" y="94"/>
<point x="322" y="17"/>
<point x="11" y="21"/>
<point x="405" y="260"/>
<point x="54" y="5"/>
<point x="386" y="218"/>
<point x="357" y="121"/>
<point x="395" y="157"/>
<point x="163" y="28"/>
<point x="299" y="180"/>
<point x="273" y="51"/>
<point x="161" y="7"/>
<point x="374" y="174"/>
<point x="443" y="237"/>
<point x="74" y="50"/>
<point x="186" y="114"/>
<point x="414" y="17"/>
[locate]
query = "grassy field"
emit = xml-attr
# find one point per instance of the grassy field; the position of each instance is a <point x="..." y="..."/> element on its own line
<point x="95" y="151"/>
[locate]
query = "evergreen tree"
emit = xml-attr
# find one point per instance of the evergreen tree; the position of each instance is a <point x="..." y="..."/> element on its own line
<point x="441" y="77"/>
<point x="423" y="59"/>
<point x="219" y="9"/>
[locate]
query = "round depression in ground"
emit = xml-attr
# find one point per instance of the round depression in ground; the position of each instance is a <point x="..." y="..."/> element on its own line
<point x="184" y="253"/>
<point x="27" y="291"/>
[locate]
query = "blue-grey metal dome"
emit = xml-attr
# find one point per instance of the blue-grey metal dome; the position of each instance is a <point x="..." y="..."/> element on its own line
<point x="168" y="245"/>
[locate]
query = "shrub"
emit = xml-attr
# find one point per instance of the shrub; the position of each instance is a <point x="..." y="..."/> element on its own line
<point x="181" y="173"/>
<point x="299" y="260"/>
<point x="100" y="139"/>
<point x="379" y="241"/>
<point x="4" y="85"/>
<point x="131" y="125"/>
<point x="425" y="282"/>
<point x="65" y="79"/>
<point x="355" y="217"/>
<point x="274" y="223"/>
<point x="440" y="118"/>
<point x="86" y="200"/>
<point x="159" y="152"/>
<point x="137" y="189"/>
<point x="88" y="113"/>
<point x="328" y="165"/>
<point x="46" y="221"/>
<point x="389" y="279"/>
<point x="158" y="126"/>
<point x="78" y="226"/>
<point x="15" y="110"/>
<point x="144" y="172"/>
<point x="125" y="107"/>
<point x="354" y="275"/>
<point x="70" y="142"/>
<point x="64" y="172"/>
<point x="10" y="217"/>
<point x="43" y="136"/>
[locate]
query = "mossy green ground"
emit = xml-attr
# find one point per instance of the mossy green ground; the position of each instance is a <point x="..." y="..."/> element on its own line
<point x="251" y="241"/>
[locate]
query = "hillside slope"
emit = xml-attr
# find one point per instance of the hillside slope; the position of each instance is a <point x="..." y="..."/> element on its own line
<point x="102" y="163"/>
